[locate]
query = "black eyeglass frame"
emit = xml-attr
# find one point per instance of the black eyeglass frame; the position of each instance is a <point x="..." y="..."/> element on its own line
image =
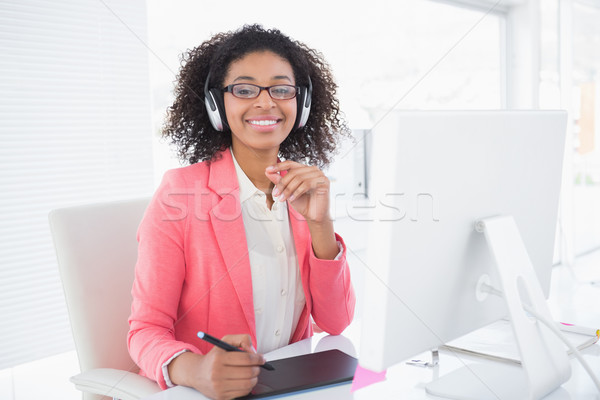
<point x="229" y="89"/>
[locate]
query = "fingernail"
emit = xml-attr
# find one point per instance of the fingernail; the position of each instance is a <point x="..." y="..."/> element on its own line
<point x="282" y="198"/>
<point x="275" y="192"/>
<point x="270" y="168"/>
<point x="292" y="197"/>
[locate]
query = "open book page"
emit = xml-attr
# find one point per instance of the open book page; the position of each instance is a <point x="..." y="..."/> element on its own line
<point x="496" y="341"/>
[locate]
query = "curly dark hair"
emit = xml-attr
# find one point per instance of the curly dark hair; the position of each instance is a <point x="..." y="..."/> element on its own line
<point x="188" y="125"/>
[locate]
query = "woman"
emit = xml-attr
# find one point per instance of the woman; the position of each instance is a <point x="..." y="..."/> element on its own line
<point x="240" y="244"/>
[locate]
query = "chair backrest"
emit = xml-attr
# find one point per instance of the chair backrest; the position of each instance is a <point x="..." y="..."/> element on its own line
<point x="96" y="248"/>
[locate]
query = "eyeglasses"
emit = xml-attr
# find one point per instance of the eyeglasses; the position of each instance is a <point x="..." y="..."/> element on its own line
<point x="250" y="91"/>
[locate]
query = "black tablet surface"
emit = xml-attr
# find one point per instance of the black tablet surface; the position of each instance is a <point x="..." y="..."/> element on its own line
<point x="304" y="372"/>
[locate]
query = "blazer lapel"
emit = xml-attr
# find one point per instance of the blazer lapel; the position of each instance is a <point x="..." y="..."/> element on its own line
<point x="303" y="251"/>
<point x="302" y="241"/>
<point x="228" y="225"/>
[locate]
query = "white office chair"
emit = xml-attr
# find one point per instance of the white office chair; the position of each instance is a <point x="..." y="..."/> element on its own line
<point x="96" y="248"/>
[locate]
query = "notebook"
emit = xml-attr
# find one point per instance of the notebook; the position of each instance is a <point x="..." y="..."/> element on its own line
<point x="304" y="372"/>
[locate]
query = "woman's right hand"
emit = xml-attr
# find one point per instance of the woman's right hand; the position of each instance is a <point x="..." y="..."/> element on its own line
<point x="219" y="374"/>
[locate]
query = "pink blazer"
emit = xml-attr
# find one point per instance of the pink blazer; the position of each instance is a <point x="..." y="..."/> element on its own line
<point x="193" y="270"/>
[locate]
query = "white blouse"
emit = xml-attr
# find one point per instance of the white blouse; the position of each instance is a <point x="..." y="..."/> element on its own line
<point x="276" y="285"/>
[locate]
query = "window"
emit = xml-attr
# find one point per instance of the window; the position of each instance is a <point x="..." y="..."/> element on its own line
<point x="586" y="112"/>
<point x="570" y="67"/>
<point x="74" y="128"/>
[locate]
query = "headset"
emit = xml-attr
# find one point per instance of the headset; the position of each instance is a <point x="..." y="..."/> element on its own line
<point x="215" y="106"/>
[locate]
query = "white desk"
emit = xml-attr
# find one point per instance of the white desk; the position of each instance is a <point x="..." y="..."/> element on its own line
<point x="403" y="381"/>
<point x="569" y="301"/>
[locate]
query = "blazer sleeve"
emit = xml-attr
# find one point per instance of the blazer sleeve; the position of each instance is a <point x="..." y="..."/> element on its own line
<point x="331" y="290"/>
<point x="159" y="276"/>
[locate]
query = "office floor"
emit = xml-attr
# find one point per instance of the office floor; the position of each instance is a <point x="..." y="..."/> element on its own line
<point x="574" y="296"/>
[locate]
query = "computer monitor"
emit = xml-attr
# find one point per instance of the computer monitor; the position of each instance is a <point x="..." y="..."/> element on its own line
<point x="435" y="175"/>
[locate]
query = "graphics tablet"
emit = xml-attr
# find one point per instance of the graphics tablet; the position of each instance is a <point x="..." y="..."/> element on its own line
<point x="304" y="372"/>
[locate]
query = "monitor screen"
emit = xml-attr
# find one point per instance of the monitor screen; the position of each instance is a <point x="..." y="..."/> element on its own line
<point x="434" y="175"/>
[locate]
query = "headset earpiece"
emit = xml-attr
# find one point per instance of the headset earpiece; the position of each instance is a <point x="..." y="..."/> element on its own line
<point x="213" y="100"/>
<point x="304" y="102"/>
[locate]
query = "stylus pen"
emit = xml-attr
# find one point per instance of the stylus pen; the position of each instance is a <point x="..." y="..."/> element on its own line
<point x="227" y="347"/>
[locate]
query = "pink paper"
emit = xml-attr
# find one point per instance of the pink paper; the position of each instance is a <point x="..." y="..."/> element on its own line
<point x="365" y="377"/>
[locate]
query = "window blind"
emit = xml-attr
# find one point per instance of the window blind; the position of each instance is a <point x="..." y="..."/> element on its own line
<point x="75" y="127"/>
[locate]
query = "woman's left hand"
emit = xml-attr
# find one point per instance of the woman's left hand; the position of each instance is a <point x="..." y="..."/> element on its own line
<point x="305" y="187"/>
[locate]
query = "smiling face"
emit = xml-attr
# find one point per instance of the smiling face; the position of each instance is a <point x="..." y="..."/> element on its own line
<point x="262" y="123"/>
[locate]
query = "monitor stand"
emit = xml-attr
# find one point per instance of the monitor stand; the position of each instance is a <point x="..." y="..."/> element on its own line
<point x="545" y="364"/>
